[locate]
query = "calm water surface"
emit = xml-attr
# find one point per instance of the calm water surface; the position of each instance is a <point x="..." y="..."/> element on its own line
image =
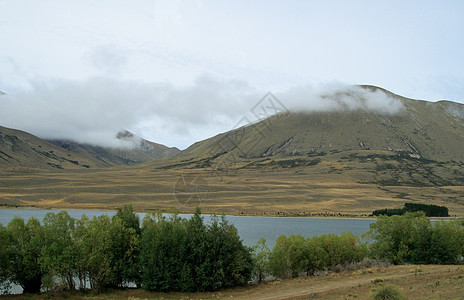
<point x="250" y="229"/>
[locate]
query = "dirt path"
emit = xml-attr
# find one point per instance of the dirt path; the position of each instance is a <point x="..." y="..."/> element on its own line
<point x="414" y="281"/>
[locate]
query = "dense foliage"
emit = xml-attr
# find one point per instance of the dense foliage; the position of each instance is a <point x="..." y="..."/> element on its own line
<point x="297" y="255"/>
<point x="169" y="253"/>
<point x="430" y="210"/>
<point x="187" y="255"/>
<point x="165" y="254"/>
<point x="412" y="238"/>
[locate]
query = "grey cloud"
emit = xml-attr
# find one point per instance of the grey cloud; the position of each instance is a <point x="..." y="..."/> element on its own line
<point x="93" y="111"/>
<point x="108" y="58"/>
<point x="338" y="97"/>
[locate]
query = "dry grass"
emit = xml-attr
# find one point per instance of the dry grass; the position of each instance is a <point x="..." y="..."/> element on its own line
<point x="245" y="189"/>
<point x="415" y="282"/>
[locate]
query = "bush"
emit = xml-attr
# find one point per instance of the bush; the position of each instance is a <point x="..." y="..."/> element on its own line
<point x="413" y="239"/>
<point x="388" y="292"/>
<point x="294" y="255"/>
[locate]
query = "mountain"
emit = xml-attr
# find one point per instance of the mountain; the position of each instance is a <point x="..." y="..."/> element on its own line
<point x="21" y="150"/>
<point x="420" y="129"/>
<point x="135" y="150"/>
<point x="419" y="145"/>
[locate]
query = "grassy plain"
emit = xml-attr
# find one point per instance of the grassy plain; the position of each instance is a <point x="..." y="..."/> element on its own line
<point x="414" y="281"/>
<point x="339" y="184"/>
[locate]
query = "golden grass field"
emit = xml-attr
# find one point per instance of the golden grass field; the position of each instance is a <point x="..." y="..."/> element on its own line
<point x="414" y="281"/>
<point x="334" y="186"/>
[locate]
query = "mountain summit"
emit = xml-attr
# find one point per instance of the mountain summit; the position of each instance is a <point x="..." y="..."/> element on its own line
<point x="420" y="129"/>
<point x="133" y="150"/>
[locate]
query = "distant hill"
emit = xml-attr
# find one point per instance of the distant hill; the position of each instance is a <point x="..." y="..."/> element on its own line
<point x="137" y="150"/>
<point x="19" y="149"/>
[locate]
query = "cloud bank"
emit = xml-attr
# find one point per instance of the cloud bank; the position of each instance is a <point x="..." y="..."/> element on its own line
<point x="339" y="97"/>
<point x="95" y="110"/>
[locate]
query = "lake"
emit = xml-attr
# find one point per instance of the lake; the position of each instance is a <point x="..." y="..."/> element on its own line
<point x="250" y="229"/>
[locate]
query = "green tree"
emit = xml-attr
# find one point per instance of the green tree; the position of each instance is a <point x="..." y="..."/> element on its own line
<point x="81" y="247"/>
<point x="163" y="247"/>
<point x="26" y="242"/>
<point x="58" y="255"/>
<point x="4" y="259"/>
<point x="279" y="261"/>
<point x="129" y="218"/>
<point x="296" y="254"/>
<point x="261" y="254"/>
<point x="316" y="257"/>
<point x="125" y="232"/>
<point x="97" y="253"/>
<point x="231" y="262"/>
<point x="395" y="237"/>
<point x="188" y="255"/>
<point x="439" y="244"/>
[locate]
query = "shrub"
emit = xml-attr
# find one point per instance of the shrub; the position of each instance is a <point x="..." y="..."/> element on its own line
<point x="294" y="255"/>
<point x="388" y="292"/>
<point x="412" y="238"/>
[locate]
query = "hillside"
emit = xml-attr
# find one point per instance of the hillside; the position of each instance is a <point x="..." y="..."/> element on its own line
<point x="137" y="150"/>
<point x="421" y="129"/>
<point x="21" y="150"/>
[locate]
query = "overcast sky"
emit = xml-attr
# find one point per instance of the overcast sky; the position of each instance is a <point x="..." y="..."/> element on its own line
<point x="176" y="72"/>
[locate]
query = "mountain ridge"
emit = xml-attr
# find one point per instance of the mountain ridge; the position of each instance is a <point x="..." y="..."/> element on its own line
<point x="20" y="149"/>
<point x="136" y="150"/>
<point x="433" y="130"/>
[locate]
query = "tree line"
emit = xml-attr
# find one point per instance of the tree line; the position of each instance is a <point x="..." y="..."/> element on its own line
<point x="163" y="254"/>
<point x="169" y="253"/>
<point x="430" y="210"/>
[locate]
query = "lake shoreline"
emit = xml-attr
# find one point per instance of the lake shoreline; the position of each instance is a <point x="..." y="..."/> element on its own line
<point x="205" y="212"/>
<point x="333" y="216"/>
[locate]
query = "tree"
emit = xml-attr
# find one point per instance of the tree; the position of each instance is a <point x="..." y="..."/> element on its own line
<point x="58" y="255"/>
<point x="129" y="218"/>
<point x="261" y="254"/>
<point x="233" y="263"/>
<point x="395" y="238"/>
<point x="163" y="253"/>
<point x="125" y="232"/>
<point x="279" y="261"/>
<point x="26" y="242"/>
<point x="316" y="257"/>
<point x="4" y="259"/>
<point x="96" y="250"/>
<point x="297" y="255"/>
<point x="188" y="255"/>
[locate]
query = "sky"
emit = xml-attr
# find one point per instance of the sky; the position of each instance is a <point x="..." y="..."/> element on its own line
<point x="176" y="72"/>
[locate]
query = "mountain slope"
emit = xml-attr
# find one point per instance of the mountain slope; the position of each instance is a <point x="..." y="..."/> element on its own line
<point x="136" y="150"/>
<point x="19" y="149"/>
<point x="421" y="129"/>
